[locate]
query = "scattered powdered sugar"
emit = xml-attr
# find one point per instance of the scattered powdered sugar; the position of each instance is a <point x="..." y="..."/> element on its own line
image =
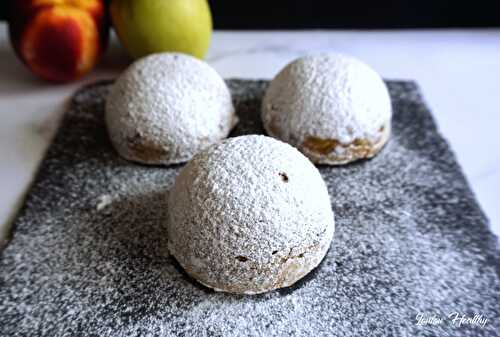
<point x="410" y="239"/>
<point x="103" y="202"/>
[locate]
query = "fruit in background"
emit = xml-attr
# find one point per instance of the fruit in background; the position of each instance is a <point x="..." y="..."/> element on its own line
<point x="59" y="40"/>
<point x="150" y="26"/>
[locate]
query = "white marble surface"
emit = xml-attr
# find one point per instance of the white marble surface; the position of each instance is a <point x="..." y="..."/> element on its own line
<point x="458" y="71"/>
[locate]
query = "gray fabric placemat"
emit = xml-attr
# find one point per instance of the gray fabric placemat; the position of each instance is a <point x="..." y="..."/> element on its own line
<point x="88" y="256"/>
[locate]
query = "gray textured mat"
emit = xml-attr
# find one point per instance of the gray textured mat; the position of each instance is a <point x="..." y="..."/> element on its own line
<point x="87" y="256"/>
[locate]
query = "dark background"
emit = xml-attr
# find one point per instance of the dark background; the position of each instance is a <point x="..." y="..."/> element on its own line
<point x="276" y="14"/>
<point x="297" y="14"/>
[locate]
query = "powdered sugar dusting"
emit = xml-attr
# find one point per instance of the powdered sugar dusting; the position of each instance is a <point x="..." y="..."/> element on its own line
<point x="103" y="202"/>
<point x="241" y="219"/>
<point x="409" y="238"/>
<point x="329" y="97"/>
<point x="166" y="107"/>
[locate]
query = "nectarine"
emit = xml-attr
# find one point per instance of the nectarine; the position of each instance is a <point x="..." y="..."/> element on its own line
<point x="59" y="40"/>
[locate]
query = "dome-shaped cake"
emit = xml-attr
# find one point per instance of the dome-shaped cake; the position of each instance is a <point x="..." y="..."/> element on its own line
<point x="333" y="108"/>
<point x="166" y="107"/>
<point x="249" y="215"/>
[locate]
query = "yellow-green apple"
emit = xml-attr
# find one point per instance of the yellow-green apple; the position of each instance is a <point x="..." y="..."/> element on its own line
<point x="59" y="40"/>
<point x="150" y="26"/>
